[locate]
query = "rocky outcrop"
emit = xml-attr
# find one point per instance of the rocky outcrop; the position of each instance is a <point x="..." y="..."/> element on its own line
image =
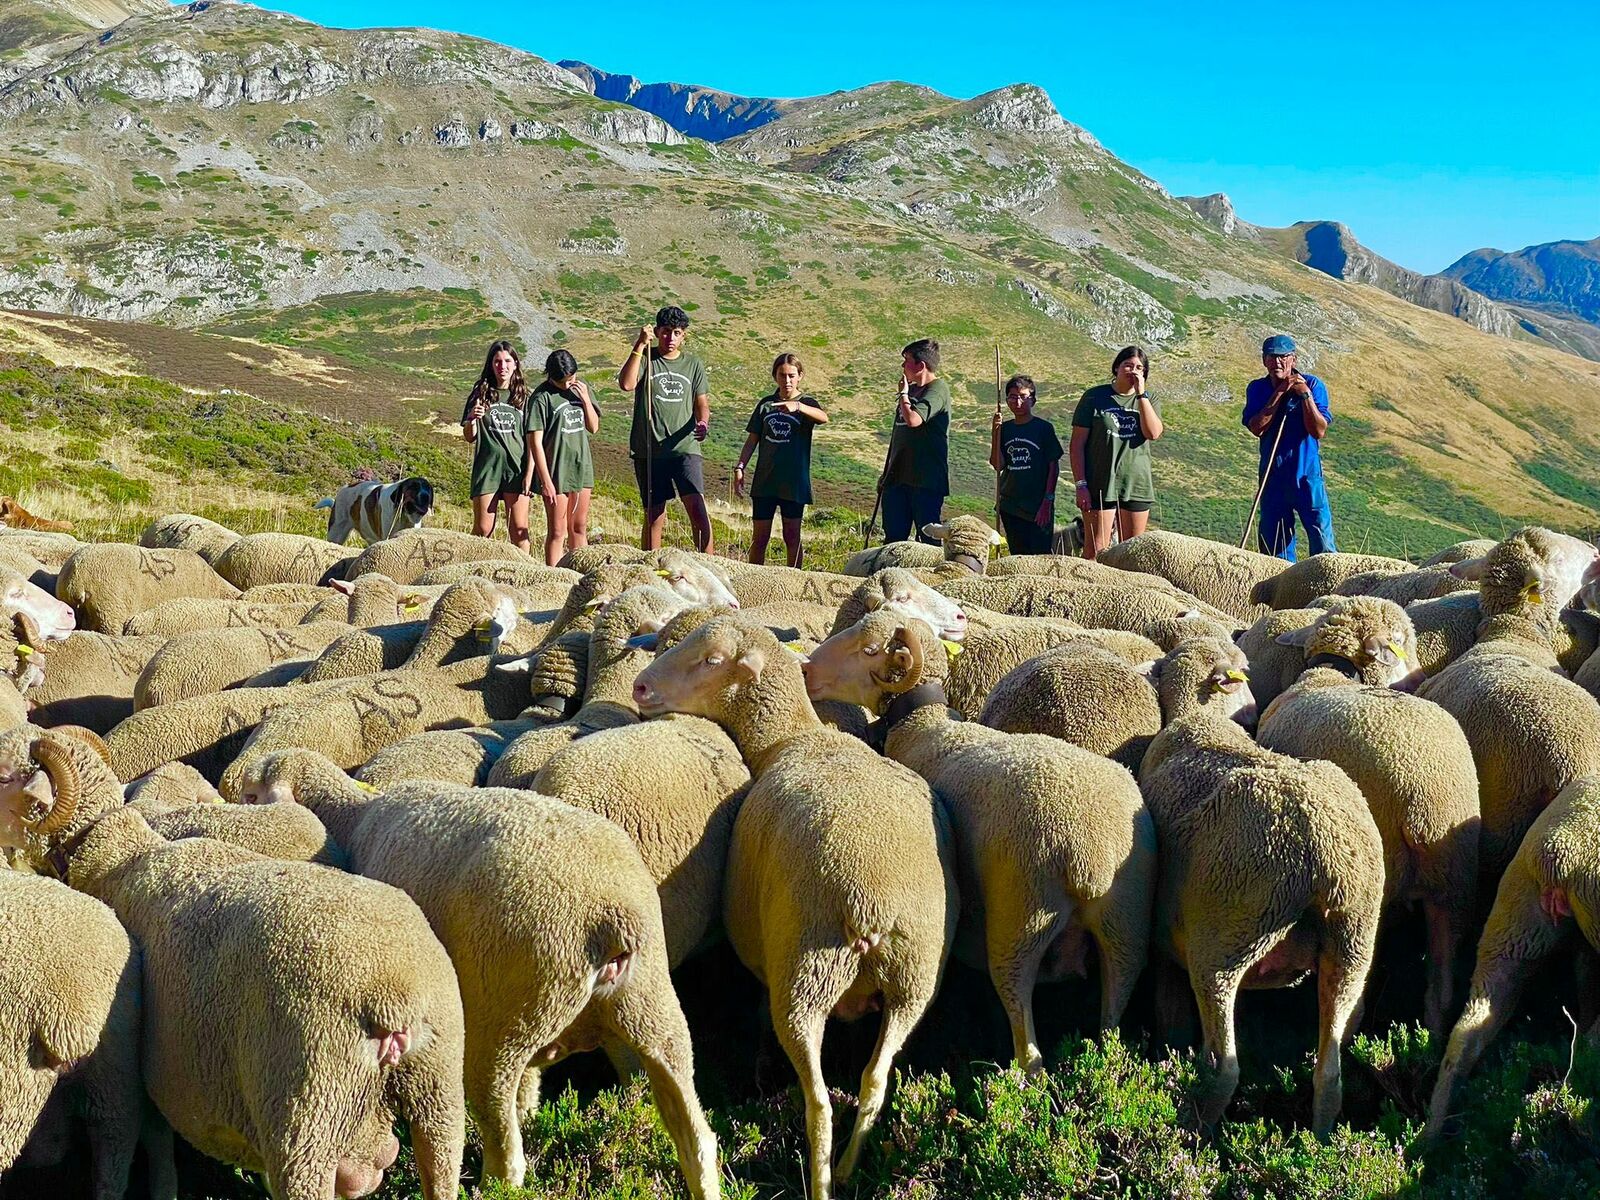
<point x="698" y="112"/>
<point x="1558" y="278"/>
<point x="219" y="54"/>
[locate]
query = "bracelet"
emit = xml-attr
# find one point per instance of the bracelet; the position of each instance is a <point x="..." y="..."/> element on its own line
<point x="739" y="467"/>
<point x="637" y="353"/>
<point x="1081" y="483"/>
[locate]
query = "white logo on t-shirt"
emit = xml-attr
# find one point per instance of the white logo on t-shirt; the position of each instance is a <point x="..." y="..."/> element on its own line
<point x="1019" y="454"/>
<point x="502" y="418"/>
<point x="571" y="418"/>
<point x="780" y="427"/>
<point x="670" y="387"/>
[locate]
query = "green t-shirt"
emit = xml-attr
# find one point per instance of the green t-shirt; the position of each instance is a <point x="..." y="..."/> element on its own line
<point x="920" y="457"/>
<point x="675" y="382"/>
<point x="558" y="416"/>
<point x="783" y="451"/>
<point x="1026" y="452"/>
<point x="497" y="455"/>
<point x="1116" y="454"/>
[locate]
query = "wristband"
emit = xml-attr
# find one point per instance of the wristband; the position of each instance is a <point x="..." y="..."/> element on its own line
<point x="739" y="467"/>
<point x="637" y="353"/>
<point x="1081" y="483"/>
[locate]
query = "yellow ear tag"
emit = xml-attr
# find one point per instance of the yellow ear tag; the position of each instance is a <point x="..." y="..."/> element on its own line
<point x="1533" y="593"/>
<point x="24" y="651"/>
<point x="412" y="603"/>
<point x="665" y="574"/>
<point x="1238" y="676"/>
<point x="1399" y="650"/>
<point x="951" y="648"/>
<point x="796" y="647"/>
<point x="365" y="786"/>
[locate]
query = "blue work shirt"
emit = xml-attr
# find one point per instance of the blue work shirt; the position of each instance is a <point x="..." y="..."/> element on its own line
<point x="1299" y="457"/>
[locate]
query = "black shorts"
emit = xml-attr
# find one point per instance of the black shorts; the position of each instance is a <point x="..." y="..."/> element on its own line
<point x="762" y="508"/>
<point x="680" y="473"/>
<point x="1098" y="504"/>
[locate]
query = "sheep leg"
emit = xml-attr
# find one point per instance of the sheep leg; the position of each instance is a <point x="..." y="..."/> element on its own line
<point x="1174" y="1002"/>
<point x="528" y="1094"/>
<point x="1216" y="991"/>
<point x="1518" y="935"/>
<point x="1016" y="948"/>
<point x="1445" y="930"/>
<point x="643" y="1023"/>
<point x="1120" y="925"/>
<point x="494" y="1072"/>
<point x="899" y="1019"/>
<point x="671" y="1075"/>
<point x="114" y="1132"/>
<point x="1339" y="987"/>
<point x="622" y="1058"/>
<point x="801" y="1036"/>
<point x="155" y="1136"/>
<point x="430" y="1098"/>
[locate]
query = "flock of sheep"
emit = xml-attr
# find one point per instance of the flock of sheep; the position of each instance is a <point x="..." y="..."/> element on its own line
<point x="477" y="809"/>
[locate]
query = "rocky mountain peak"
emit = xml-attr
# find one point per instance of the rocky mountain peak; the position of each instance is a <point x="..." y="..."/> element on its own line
<point x="1215" y="209"/>
<point x="1020" y="108"/>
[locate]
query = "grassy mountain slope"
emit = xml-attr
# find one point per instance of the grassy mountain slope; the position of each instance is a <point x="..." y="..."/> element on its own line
<point x="394" y="198"/>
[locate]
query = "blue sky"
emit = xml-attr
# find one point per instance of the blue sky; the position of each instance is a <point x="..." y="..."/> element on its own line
<point x="1431" y="129"/>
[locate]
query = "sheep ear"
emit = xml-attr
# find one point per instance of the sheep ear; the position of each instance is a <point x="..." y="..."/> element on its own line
<point x="1382" y="652"/>
<point x="935" y="529"/>
<point x="344" y="587"/>
<point x="1296" y="637"/>
<point x="1468" y="568"/>
<point x="1148" y="669"/>
<point x="994" y="538"/>
<point x="516" y="666"/>
<point x="749" y="665"/>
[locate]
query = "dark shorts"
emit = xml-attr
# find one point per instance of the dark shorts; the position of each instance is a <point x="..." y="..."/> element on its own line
<point x="683" y="474"/>
<point x="1100" y="505"/>
<point x="1023" y="536"/>
<point x="762" y="508"/>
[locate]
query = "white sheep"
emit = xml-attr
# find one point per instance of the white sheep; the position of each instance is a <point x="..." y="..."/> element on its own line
<point x="69" y="1031"/>
<point x="1221" y="575"/>
<point x="553" y="926"/>
<point x="1270" y="868"/>
<point x="840" y="890"/>
<point x="289" y="1009"/>
<point x="109" y="582"/>
<point x="1408" y="757"/>
<point x="1056" y="848"/>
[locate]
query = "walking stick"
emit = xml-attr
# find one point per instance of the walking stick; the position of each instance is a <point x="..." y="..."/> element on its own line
<point x="1265" y="475"/>
<point x="999" y="395"/>
<point x="650" y="447"/>
<point x="882" y="475"/>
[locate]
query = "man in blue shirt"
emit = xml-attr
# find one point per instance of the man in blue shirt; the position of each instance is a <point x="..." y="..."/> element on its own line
<point x="1289" y="412"/>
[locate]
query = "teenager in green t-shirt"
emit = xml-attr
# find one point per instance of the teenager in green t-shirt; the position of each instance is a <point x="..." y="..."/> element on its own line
<point x="561" y="416"/>
<point x="917" y="478"/>
<point x="1112" y="429"/>
<point x="781" y="426"/>
<point x="668" y="426"/>
<point x="1027" y="453"/>
<point x="495" y="422"/>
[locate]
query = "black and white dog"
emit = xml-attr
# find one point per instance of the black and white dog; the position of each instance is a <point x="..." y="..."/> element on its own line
<point x="377" y="510"/>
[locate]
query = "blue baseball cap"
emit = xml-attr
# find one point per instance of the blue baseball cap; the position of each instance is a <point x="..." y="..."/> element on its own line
<point x="1278" y="343"/>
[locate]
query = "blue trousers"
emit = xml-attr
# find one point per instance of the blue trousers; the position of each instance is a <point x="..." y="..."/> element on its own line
<point x="907" y="509"/>
<point x="1281" y="503"/>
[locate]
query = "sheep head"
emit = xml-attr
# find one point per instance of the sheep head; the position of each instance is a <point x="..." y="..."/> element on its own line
<point x="1375" y="636"/>
<point x="1203" y="673"/>
<point x="20" y="597"/>
<point x="1533" y="569"/>
<point x="41" y="787"/>
<point x="966" y="539"/>
<point x="897" y="590"/>
<point x="694" y="580"/>
<point x="705" y="672"/>
<point x="290" y="776"/>
<point x="636" y="618"/>
<point x="879" y="656"/>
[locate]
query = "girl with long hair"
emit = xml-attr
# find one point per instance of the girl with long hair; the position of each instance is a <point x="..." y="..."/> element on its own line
<point x="561" y="416"/>
<point x="495" y="420"/>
